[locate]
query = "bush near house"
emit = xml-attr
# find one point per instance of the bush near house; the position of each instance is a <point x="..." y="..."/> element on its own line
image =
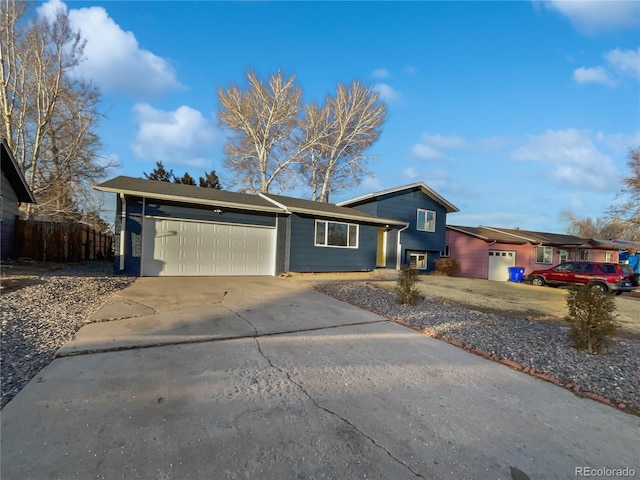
<point x="591" y="318"/>
<point x="449" y="267"/>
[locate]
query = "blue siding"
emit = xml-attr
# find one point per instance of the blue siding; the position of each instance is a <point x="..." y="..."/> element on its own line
<point x="306" y="257"/>
<point x="282" y="244"/>
<point x="404" y="206"/>
<point x="133" y="236"/>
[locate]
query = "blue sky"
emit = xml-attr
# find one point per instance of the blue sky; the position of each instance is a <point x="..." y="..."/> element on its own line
<point x="513" y="111"/>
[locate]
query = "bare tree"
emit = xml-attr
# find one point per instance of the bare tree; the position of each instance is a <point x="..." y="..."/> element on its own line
<point x="50" y="118"/>
<point x="262" y="118"/>
<point x="601" y="228"/>
<point x="12" y="73"/>
<point x="335" y="137"/>
<point x="628" y="212"/>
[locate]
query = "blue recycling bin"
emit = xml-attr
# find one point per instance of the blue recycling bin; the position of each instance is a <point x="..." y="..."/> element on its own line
<point x="516" y="274"/>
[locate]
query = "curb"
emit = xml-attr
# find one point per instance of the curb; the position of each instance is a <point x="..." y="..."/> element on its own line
<point x="529" y="370"/>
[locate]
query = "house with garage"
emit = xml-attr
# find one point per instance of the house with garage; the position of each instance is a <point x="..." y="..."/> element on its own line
<point x="13" y="191"/>
<point x="488" y="252"/>
<point x="167" y="229"/>
<point x="423" y="240"/>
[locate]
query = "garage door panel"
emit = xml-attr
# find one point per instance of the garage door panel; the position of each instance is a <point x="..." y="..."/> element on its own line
<point x="499" y="263"/>
<point x="187" y="248"/>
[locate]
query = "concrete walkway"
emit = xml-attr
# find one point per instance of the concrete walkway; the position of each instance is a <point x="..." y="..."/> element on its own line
<point x="344" y="394"/>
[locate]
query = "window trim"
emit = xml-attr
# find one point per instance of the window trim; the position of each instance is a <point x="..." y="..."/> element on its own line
<point x="417" y="255"/>
<point x="585" y="252"/>
<point x="418" y="226"/>
<point x="446" y="253"/>
<point x="543" y="262"/>
<point x="608" y="255"/>
<point x="326" y="234"/>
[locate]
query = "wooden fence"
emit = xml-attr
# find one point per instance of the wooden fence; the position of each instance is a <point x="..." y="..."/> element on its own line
<point x="60" y="242"/>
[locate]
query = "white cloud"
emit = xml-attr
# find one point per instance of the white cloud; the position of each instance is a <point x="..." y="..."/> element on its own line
<point x="386" y="92"/>
<point x="113" y="58"/>
<point x="594" y="16"/>
<point x="425" y="152"/>
<point x="430" y="146"/>
<point x="441" y="141"/>
<point x="409" y="173"/>
<point x="574" y="159"/>
<point x="620" y="63"/>
<point x="181" y="137"/>
<point x="409" y="69"/>
<point x="380" y="73"/>
<point x="599" y="75"/>
<point x="627" y="62"/>
<point x="370" y="184"/>
<point x="619" y="142"/>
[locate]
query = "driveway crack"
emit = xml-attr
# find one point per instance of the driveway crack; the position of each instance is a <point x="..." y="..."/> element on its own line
<point x="335" y="414"/>
<point x="318" y="405"/>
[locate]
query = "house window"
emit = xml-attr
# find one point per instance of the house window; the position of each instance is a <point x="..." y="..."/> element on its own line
<point x="418" y="261"/>
<point x="544" y="255"/>
<point x="336" y="234"/>
<point x="447" y="251"/>
<point x="607" y="256"/>
<point x="584" y="254"/>
<point x="426" y="220"/>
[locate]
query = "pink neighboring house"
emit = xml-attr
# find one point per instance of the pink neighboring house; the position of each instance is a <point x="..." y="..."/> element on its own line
<point x="488" y="252"/>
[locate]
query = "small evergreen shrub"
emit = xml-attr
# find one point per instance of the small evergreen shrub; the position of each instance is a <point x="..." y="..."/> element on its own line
<point x="591" y="318"/>
<point x="447" y="266"/>
<point x="406" y="289"/>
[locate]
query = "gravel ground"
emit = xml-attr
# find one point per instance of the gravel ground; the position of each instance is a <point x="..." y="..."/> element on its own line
<point x="614" y="375"/>
<point x="39" y="318"/>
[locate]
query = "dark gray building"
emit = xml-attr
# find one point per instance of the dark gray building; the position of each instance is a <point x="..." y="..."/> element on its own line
<point x="13" y="191"/>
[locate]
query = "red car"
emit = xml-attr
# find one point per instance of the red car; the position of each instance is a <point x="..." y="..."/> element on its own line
<point x="606" y="277"/>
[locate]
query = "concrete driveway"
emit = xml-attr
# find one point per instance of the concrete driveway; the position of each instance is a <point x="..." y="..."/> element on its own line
<point x="274" y="381"/>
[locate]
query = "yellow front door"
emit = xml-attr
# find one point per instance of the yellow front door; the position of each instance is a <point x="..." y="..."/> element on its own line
<point x="381" y="253"/>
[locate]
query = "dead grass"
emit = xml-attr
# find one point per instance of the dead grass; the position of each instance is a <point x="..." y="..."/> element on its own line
<point x="540" y="304"/>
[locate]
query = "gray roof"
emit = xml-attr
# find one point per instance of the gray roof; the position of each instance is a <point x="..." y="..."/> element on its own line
<point x="488" y="235"/>
<point x="412" y="186"/>
<point x="186" y="193"/>
<point x="11" y="170"/>
<point x="258" y="203"/>
<point x="517" y="236"/>
<point x="298" y="205"/>
<point x="545" y="237"/>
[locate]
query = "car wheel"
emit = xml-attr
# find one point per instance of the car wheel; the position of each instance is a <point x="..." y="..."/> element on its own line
<point x="599" y="287"/>
<point x="537" y="281"/>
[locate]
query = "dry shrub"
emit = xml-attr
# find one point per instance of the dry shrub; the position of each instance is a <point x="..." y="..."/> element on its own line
<point x="406" y="289"/>
<point x="591" y="318"/>
<point x="447" y="266"/>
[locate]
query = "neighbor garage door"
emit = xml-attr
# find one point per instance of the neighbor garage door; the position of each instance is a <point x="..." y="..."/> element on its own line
<point x="189" y="248"/>
<point x="499" y="263"/>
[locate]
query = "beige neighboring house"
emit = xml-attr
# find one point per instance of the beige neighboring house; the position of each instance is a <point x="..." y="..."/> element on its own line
<point x="13" y="191"/>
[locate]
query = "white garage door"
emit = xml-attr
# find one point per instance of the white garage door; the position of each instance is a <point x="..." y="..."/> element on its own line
<point x="189" y="248"/>
<point x="499" y="263"/>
